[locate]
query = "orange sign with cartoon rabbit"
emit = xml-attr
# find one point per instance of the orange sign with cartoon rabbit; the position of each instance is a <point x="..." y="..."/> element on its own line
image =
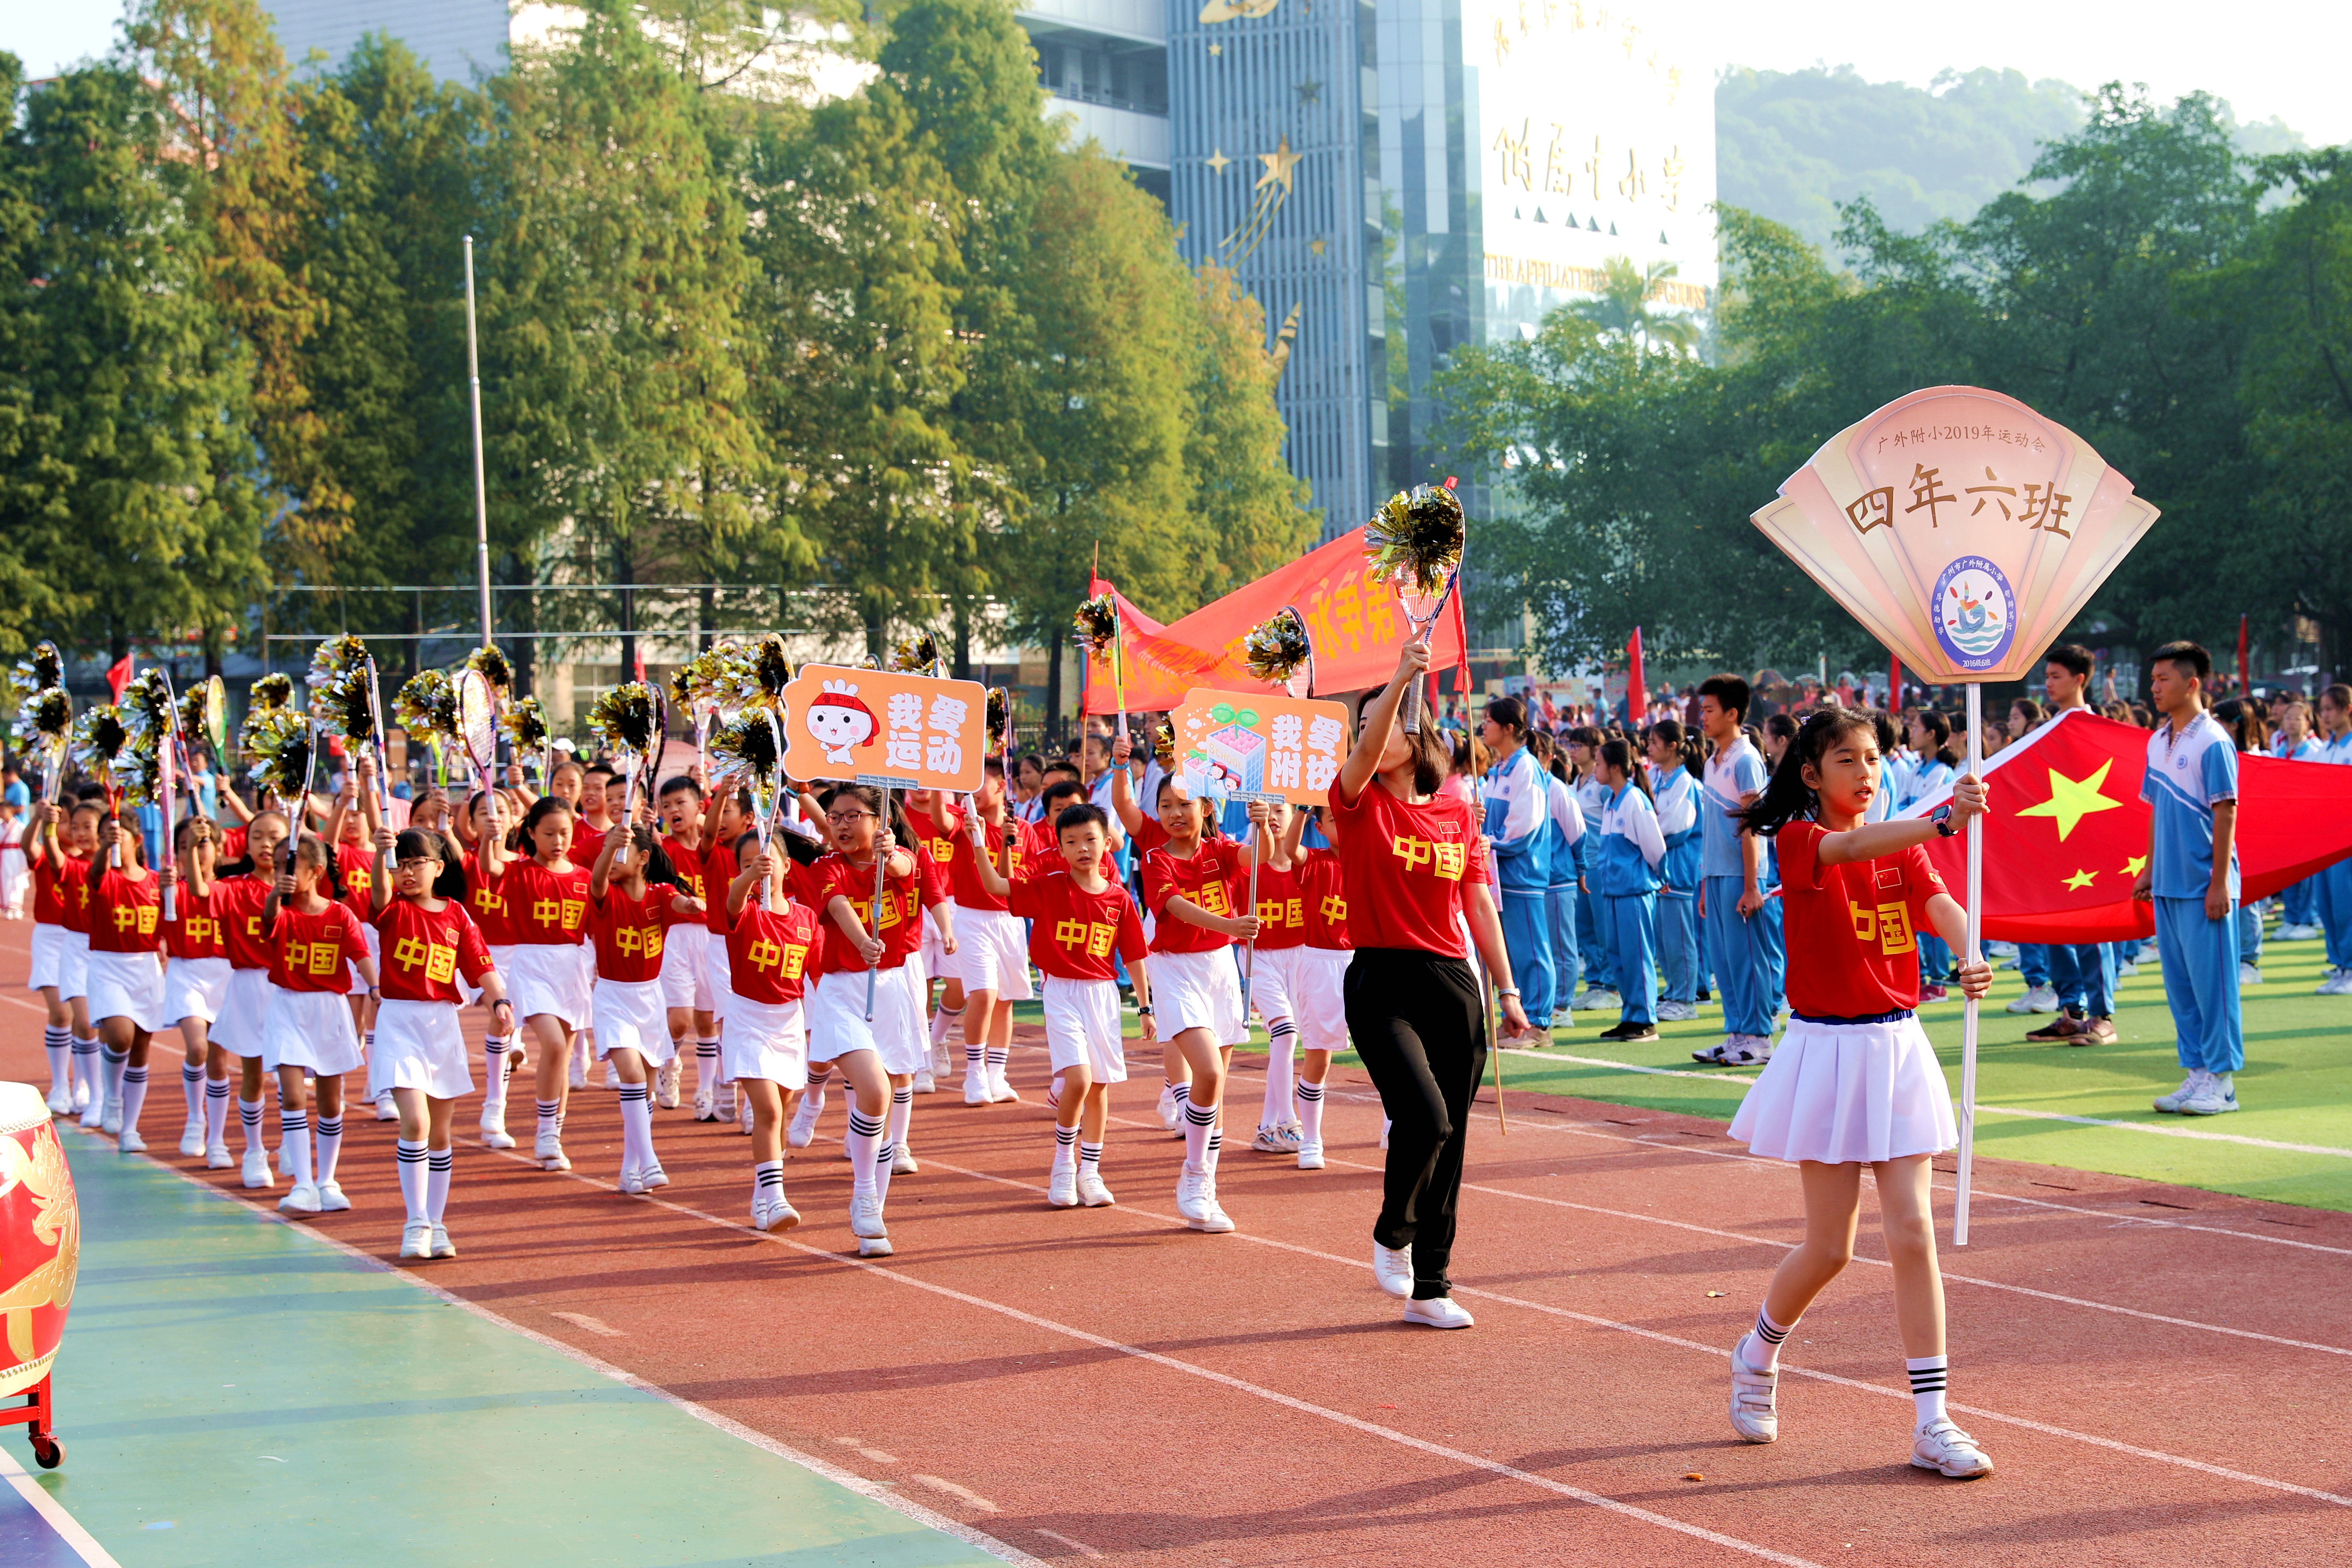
<point x="913" y="731"/>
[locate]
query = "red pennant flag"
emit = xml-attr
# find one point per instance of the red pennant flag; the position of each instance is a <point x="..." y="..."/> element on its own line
<point x="2245" y="670"/>
<point x="2067" y="831"/>
<point x="117" y="675"/>
<point x="1637" y="697"/>
<point x="1894" y="684"/>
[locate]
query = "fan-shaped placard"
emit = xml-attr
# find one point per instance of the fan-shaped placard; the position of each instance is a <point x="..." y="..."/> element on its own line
<point x="1962" y="530"/>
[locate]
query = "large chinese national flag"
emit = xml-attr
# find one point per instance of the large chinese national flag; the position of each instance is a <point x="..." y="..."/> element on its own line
<point x="2067" y="831"/>
<point x="1356" y="624"/>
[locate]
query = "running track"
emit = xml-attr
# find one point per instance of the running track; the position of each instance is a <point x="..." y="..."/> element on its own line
<point x="2159" y="1372"/>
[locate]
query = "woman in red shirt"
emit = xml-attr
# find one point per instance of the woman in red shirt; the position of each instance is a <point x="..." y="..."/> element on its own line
<point x="242" y="1029"/>
<point x="635" y="909"/>
<point x="126" y="974"/>
<point x="60" y="859"/>
<point x="1415" y="869"/>
<point x="546" y="900"/>
<point x="1853" y="1081"/>
<point x="315" y="947"/>
<point x="772" y="948"/>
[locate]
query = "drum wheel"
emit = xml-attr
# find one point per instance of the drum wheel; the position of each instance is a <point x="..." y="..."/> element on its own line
<point x="47" y="1452"/>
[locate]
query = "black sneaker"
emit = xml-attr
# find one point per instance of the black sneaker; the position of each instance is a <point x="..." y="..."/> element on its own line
<point x="1630" y="1033"/>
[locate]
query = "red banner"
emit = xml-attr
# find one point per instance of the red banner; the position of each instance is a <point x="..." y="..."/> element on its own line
<point x="2067" y="832"/>
<point x="1356" y="624"/>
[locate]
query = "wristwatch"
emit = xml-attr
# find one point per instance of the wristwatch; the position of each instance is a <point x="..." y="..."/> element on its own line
<point x="1942" y="818"/>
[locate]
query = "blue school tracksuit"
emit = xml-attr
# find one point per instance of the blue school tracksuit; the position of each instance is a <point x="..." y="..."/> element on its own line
<point x="1593" y="942"/>
<point x="1625" y="880"/>
<point x="1677" y="802"/>
<point x="2186" y="775"/>
<point x="1924" y="778"/>
<point x="1739" y="946"/>
<point x="2299" y="905"/>
<point x="1568" y="841"/>
<point x="1518" y="826"/>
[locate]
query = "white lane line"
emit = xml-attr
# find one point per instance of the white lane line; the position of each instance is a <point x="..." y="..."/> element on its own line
<point x="1080" y="1547"/>
<point x="53" y="1513"/>
<point x="1543" y="1055"/>
<point x="963" y="1494"/>
<point x="873" y="1491"/>
<point x="594" y="1325"/>
<point x="1717" y="1352"/>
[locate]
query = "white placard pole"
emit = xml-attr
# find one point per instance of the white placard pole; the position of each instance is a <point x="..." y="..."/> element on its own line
<point x="1975" y="768"/>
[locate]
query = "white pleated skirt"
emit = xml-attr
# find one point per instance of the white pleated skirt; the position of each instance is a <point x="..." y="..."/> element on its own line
<point x="1848" y="1093"/>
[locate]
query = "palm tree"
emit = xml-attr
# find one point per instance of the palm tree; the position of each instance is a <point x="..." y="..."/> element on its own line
<point x="1624" y="308"/>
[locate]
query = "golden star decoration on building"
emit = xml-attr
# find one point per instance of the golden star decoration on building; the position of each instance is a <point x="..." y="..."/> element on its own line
<point x="1217" y="11"/>
<point x="2080" y="879"/>
<point x="1271" y="189"/>
<point x="2071" y="800"/>
<point x="1217" y="160"/>
<point x="1279" y="166"/>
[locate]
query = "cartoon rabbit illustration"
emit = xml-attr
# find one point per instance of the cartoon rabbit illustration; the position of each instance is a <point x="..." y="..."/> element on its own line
<point x="840" y="721"/>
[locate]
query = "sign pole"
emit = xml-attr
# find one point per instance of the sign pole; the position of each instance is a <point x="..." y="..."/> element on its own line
<point x="1258" y="832"/>
<point x="481" y="494"/>
<point x="881" y="892"/>
<point x="1975" y="766"/>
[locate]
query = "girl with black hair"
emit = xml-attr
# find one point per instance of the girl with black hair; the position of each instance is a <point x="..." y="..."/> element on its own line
<point x="126" y="974"/>
<point x="1600" y="992"/>
<point x="493" y="822"/>
<point x="546" y="898"/>
<point x="1559" y="891"/>
<point x="315" y="949"/>
<point x="242" y="888"/>
<point x="1626" y="884"/>
<point x="196" y="984"/>
<point x="772" y="941"/>
<point x="1677" y="765"/>
<point x="1854" y="1081"/>
<point x="429" y="942"/>
<point x="634" y="905"/>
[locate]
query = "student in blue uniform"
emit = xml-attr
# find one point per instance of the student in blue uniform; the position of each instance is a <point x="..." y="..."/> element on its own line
<point x="1625" y="882"/>
<point x="2191" y="876"/>
<point x="1559" y="898"/>
<point x="1592" y="943"/>
<point x="2292" y="740"/>
<point x="1732" y="908"/>
<point x="1518" y="828"/>
<point x="1676" y="765"/>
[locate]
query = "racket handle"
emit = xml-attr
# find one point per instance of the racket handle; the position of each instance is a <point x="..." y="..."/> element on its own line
<point x="1408" y="710"/>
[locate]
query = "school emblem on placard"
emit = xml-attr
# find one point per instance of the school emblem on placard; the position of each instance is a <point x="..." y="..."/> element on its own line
<point x="1975" y="614"/>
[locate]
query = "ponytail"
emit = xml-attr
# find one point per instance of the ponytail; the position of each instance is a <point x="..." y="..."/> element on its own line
<point x="1619" y="755"/>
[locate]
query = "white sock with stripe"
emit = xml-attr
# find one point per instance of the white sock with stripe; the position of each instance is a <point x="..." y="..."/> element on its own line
<point x="768" y="1182"/>
<point x="134" y="1095"/>
<point x="1929" y="1374"/>
<point x="217" y="1095"/>
<point x="1281" y="1047"/>
<point x="1066" y="1148"/>
<point x="438" y="1164"/>
<point x="330" y="1145"/>
<point x="110" y="1068"/>
<point x="192" y="1088"/>
<point x="706" y="1066"/>
<point x="894" y="1135"/>
<point x="636" y="1128"/>
<point x="294" y="1146"/>
<point x="86" y="1066"/>
<point x="1310" y="1114"/>
<point x="865" y="1147"/>
<point x="1199" y="1121"/>
<point x="58" y="1045"/>
<point x="494" y="1072"/>
<point x="411" y="1178"/>
<point x="248" y="1111"/>
<point x="1764" y="1342"/>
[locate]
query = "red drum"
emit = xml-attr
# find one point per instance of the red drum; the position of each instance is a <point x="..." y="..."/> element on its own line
<point x="40" y="1239"/>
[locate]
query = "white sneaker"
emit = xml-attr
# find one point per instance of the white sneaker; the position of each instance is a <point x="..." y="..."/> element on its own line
<point x="631" y="1184"/>
<point x="2189" y="1086"/>
<point x="494" y="1127"/>
<point x="416" y="1239"/>
<point x="2216" y="1095"/>
<point x="774" y="1214"/>
<point x="302" y="1199"/>
<point x="902" y="1162"/>
<point x="1310" y="1156"/>
<point x="548" y="1150"/>
<point x="924" y="1082"/>
<point x="706" y="1102"/>
<point x="191" y="1137"/>
<point x="2247" y="974"/>
<point x="1384" y="1135"/>
<point x="1563" y="1017"/>
<point x="874" y="1246"/>
<point x="665" y="1078"/>
<point x="1062" y="1186"/>
<point x="742" y="1114"/>
<point x="1754" y="1415"/>
<point x="579" y="1070"/>
<point x="1091" y="1190"/>
<point x="1393" y="1269"/>
<point x="81" y="1097"/>
<point x="2125" y="970"/>
<point x="330" y="1197"/>
<point x="1676" y="1011"/>
<point x="1717" y="1052"/>
<point x="865" y="1217"/>
<point x="654" y="1176"/>
<point x="61" y="1102"/>
<point x="387" y="1108"/>
<point x="1169" y="1121"/>
<point x="1188" y="1188"/>
<point x="942" y="1060"/>
<point x="1438" y="1312"/>
<point x="1000" y="1092"/>
<point x="612" y="1075"/>
<point x="128" y="1141"/>
<point x="1940" y="1445"/>
<point x="725" y="1103"/>
<point x="110" y="1119"/>
<point x="803" y="1132"/>
<point x="257" y="1175"/>
<point x="442" y="1246"/>
<point x="1600" y="1001"/>
<point x="2296" y="933"/>
<point x="1752" y="1050"/>
<point x="1270" y="1141"/>
<point x="975" y="1086"/>
<point x="1213" y="1219"/>
<point x="217" y="1157"/>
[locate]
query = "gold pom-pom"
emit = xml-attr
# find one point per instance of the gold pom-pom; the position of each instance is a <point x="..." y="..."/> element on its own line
<point x="1415" y="540"/>
<point x="1278" y="647"/>
<point x="624" y="718"/>
<point x="1098" y="624"/>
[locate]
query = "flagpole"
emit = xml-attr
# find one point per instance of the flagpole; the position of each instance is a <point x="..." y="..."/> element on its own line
<point x="481" y="496"/>
<point x="1974" y="954"/>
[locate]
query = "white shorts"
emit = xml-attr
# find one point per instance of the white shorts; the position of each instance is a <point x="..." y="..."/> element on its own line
<point x="1083" y="1027"/>
<point x="991" y="954"/>
<point x="48" y="956"/>
<point x="634" y="1018"/>
<point x="934" y="958"/>
<point x="127" y="986"/>
<point x="547" y="977"/>
<point x="311" y="1029"/>
<point x="1302" y="983"/>
<point x="195" y="988"/>
<point x="1847" y="1093"/>
<point x="686" y="969"/>
<point x="420" y="1045"/>
<point x="765" y="1040"/>
<point x="73" y="966"/>
<point x="374" y="940"/>
<point x="1198" y="991"/>
<point x="243" y="1028"/>
<point x="838" y="1024"/>
<point x="587" y="1019"/>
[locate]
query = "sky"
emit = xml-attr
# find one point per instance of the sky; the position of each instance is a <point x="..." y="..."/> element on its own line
<point x="2281" y="58"/>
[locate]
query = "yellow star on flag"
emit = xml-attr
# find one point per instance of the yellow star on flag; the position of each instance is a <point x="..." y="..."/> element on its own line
<point x="2136" y="864"/>
<point x="2071" y="800"/>
<point x="2080" y="879"/>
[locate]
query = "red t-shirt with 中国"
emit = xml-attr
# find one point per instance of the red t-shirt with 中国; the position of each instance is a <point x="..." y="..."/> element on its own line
<point x="719" y="873"/>
<point x="771" y="952"/>
<point x="486" y="903"/>
<point x="1281" y="905"/>
<point x="688" y="863"/>
<point x="943" y="840"/>
<point x="313" y="952"/>
<point x="1206" y="878"/>
<point x="231" y="844"/>
<point x="904" y="899"/>
<point x="630" y="933"/>
<point x="426" y="950"/>
<point x="237" y="904"/>
<point x="1073" y="932"/>
<point x="126" y="916"/>
<point x="1011" y="861"/>
<point x="1325" y="890"/>
<point x="194" y="929"/>
<point x="1403" y="868"/>
<point x="53" y="899"/>
<point x="587" y="841"/>
<point x="73" y="889"/>
<point x="1853" y="930"/>
<point x="356" y="865"/>
<point x="544" y="908"/>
